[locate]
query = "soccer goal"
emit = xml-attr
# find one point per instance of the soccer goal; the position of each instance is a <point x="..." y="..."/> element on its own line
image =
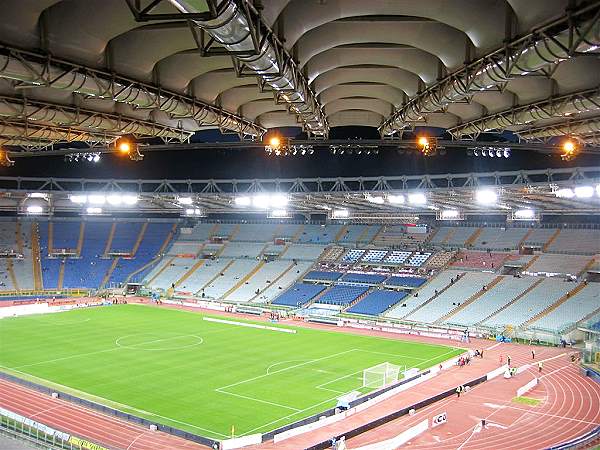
<point x="381" y="375"/>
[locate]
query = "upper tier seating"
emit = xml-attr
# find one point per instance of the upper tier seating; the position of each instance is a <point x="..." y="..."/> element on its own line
<point x="425" y="293"/>
<point x="353" y="255"/>
<point x="200" y="233"/>
<point x="581" y="242"/>
<point x="125" y="236"/>
<point x="374" y="255"/>
<point x="262" y="232"/>
<point x="319" y="234"/>
<point x="453" y="236"/>
<point x="242" y="250"/>
<point x="319" y="275"/>
<point x="65" y="235"/>
<point x="303" y="252"/>
<point x="364" y="278"/>
<point x="412" y="282"/>
<point x="567" y="264"/>
<point x="332" y="253"/>
<point x="22" y="267"/>
<point x="397" y="257"/>
<point x="439" y="260"/>
<point x="494" y="299"/>
<point x="500" y="238"/>
<point x="377" y="302"/>
<point x="342" y="295"/>
<point x="299" y="294"/>
<point x="532" y="303"/>
<point x="479" y="260"/>
<point x="469" y="284"/>
<point x="89" y="270"/>
<point x="539" y="237"/>
<point x="398" y="236"/>
<point x="359" y="233"/>
<point x="576" y="308"/>
<point x="417" y="259"/>
<point x="185" y="248"/>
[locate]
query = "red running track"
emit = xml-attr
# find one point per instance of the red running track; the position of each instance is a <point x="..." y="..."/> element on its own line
<point x="85" y="423"/>
<point x="570" y="407"/>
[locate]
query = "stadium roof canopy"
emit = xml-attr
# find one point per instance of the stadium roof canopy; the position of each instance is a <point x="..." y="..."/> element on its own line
<point x="92" y="70"/>
<point x="526" y="195"/>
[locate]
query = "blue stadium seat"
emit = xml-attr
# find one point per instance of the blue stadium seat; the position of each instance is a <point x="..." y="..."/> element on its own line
<point x="319" y="275"/>
<point x="365" y="278"/>
<point x="299" y="294"/>
<point x="342" y="295"/>
<point x="377" y="302"/>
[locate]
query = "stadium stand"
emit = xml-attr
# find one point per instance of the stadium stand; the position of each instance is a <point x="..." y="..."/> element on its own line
<point x="397" y="257"/>
<point x="363" y="278"/>
<point x="341" y="295"/>
<point x="262" y="232"/>
<point x="376" y="302"/>
<point x="242" y="250"/>
<point x="582" y="304"/>
<point x="576" y="242"/>
<point x="260" y="281"/>
<point x="319" y="234"/>
<point x="418" y="258"/>
<point x="531" y="304"/>
<point x="397" y="236"/>
<point x="284" y="281"/>
<point x="332" y="254"/>
<point x="353" y="255"/>
<point x="479" y="260"/>
<point x="500" y="238"/>
<point x="440" y="260"/>
<point x="374" y="256"/>
<point x="318" y="275"/>
<point x="539" y="237"/>
<point x="405" y="281"/>
<point x="561" y="264"/>
<point x="425" y="293"/>
<point x="460" y="291"/>
<point x="492" y="300"/>
<point x="299" y="294"/>
<point x="234" y="273"/>
<point x="125" y="236"/>
<point x="304" y="252"/>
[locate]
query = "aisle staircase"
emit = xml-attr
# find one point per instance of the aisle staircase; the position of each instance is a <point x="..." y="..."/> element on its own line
<point x="61" y="274"/>
<point x="273" y="282"/>
<point x="81" y="237"/>
<point x="189" y="273"/>
<point x="524" y="239"/>
<point x="111" y="236"/>
<point x="242" y="280"/>
<point x="19" y="238"/>
<point x="473" y="238"/>
<point x="161" y="270"/>
<point x="139" y="239"/>
<point x="109" y="272"/>
<point x="50" y="237"/>
<point x="36" y="258"/>
<point x="551" y="240"/>
<point x="11" y="273"/>
<point x="209" y="282"/>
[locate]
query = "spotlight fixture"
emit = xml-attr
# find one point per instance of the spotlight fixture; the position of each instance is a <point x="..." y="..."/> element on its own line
<point x="126" y="145"/>
<point x="5" y="161"/>
<point x="489" y="152"/>
<point x="486" y="197"/>
<point x="427" y="146"/>
<point x="34" y="209"/>
<point x="417" y="198"/>
<point x="569" y="150"/>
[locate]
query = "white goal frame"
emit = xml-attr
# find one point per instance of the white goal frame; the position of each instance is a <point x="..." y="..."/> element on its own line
<point x="381" y="375"/>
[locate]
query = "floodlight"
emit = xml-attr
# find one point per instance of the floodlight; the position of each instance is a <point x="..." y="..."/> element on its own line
<point x="130" y="200"/>
<point x="96" y="199"/>
<point x="598" y="190"/>
<point x="260" y="201"/>
<point x="279" y="213"/>
<point x="569" y="150"/>
<point x="185" y="200"/>
<point x="450" y="214"/>
<point x="94" y="210"/>
<point x="423" y="141"/>
<point x="37" y="195"/>
<point x="274" y="142"/>
<point x="486" y="196"/>
<point x="243" y="201"/>
<point x="340" y="214"/>
<point x="396" y="199"/>
<point x="114" y="199"/>
<point x="278" y="200"/>
<point x="524" y="214"/>
<point x="35" y="209"/>
<point x="565" y="193"/>
<point x="96" y="158"/>
<point x="417" y="198"/>
<point x="78" y="198"/>
<point x="584" y="191"/>
<point x="377" y="199"/>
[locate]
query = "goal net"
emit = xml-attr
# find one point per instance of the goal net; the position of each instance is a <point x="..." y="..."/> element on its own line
<point x="380" y="375"/>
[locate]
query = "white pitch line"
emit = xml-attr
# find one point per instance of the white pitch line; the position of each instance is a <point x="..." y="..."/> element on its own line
<point x="220" y="391"/>
<point x="285" y="369"/>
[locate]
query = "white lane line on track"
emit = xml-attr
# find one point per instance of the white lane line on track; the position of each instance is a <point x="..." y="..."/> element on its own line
<point x="45" y="411"/>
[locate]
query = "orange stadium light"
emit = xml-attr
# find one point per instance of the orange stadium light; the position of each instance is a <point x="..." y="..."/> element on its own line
<point x="569" y="150"/>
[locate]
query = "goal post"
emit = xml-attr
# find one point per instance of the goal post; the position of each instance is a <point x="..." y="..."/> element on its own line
<point x="380" y="375"/>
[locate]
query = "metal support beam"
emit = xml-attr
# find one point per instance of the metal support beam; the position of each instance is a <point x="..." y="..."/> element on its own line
<point x="575" y="33"/>
<point x="526" y="115"/>
<point x="30" y="70"/>
<point x="583" y="128"/>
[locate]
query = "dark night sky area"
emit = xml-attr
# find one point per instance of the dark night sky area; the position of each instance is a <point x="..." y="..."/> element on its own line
<point x="255" y="163"/>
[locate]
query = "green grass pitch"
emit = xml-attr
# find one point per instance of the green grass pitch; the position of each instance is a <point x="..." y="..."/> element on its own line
<point x="173" y="367"/>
